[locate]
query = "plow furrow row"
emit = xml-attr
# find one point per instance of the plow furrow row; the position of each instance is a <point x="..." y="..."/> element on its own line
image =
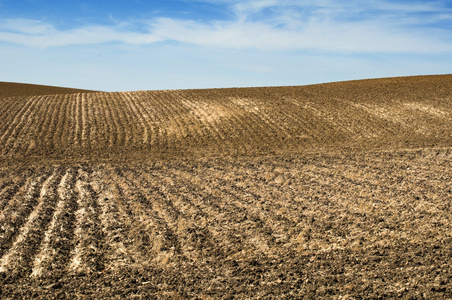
<point x="216" y="121"/>
<point x="19" y="208"/>
<point x="54" y="252"/>
<point x="17" y="260"/>
<point x="78" y="221"/>
<point x="89" y="245"/>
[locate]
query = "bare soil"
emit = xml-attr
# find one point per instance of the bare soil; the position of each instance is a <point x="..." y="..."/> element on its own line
<point x="335" y="191"/>
<point x="397" y="113"/>
<point x="13" y="89"/>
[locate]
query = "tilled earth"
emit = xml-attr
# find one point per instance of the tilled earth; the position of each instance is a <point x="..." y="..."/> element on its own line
<point x="341" y="226"/>
<point x="13" y="89"/>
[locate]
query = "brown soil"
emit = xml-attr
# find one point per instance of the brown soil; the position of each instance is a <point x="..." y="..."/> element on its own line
<point x="395" y="113"/>
<point x="337" y="191"/>
<point x="12" y="89"/>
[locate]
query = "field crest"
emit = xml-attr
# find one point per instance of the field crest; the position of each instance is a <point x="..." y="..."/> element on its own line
<point x="384" y="114"/>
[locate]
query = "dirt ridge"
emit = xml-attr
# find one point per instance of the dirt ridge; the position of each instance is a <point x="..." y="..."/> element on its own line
<point x="15" y="89"/>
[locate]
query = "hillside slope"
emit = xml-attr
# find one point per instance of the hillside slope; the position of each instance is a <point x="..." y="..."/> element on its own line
<point x="406" y="112"/>
<point x="13" y="89"/>
<point x="320" y="213"/>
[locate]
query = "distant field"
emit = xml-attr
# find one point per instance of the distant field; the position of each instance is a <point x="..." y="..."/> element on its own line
<point x="340" y="190"/>
<point x="12" y="89"/>
<point x="392" y="113"/>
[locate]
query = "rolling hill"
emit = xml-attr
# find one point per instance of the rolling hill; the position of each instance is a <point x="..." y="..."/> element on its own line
<point x="392" y="113"/>
<point x="11" y="89"/>
<point x="334" y="191"/>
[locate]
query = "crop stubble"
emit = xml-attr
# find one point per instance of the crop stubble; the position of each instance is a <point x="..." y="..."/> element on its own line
<point x="340" y="189"/>
<point x="373" y="224"/>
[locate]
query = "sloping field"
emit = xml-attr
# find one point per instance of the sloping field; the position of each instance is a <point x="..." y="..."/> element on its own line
<point x="386" y="113"/>
<point x="338" y="191"/>
<point x="12" y="89"/>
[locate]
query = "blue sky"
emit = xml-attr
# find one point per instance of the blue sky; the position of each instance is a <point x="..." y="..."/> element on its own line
<point x="118" y="45"/>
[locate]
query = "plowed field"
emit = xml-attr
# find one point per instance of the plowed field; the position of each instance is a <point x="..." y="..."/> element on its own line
<point x="340" y="190"/>
<point x="11" y="89"/>
<point x="387" y="113"/>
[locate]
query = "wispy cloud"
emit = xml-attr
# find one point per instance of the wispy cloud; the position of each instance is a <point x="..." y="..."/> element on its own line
<point x="326" y="25"/>
<point x="314" y="34"/>
<point x="40" y="34"/>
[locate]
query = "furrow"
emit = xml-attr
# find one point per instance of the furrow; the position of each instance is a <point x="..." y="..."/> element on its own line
<point x="20" y="121"/>
<point x="148" y="118"/>
<point x="87" y="256"/>
<point x="8" y="110"/>
<point x="128" y="121"/>
<point x="326" y="126"/>
<point x="121" y="125"/>
<point x="110" y="122"/>
<point x="270" y="188"/>
<point x="90" y="122"/>
<point x="58" y="137"/>
<point x="9" y="122"/>
<point x="195" y="131"/>
<point x="58" y="240"/>
<point x="5" y="181"/>
<point x="70" y="119"/>
<point x="262" y="209"/>
<point x="193" y="121"/>
<point x="390" y="189"/>
<point x="229" y="223"/>
<point x="18" y="260"/>
<point x="22" y="140"/>
<point x="45" y="130"/>
<point x="274" y="126"/>
<point x="294" y="115"/>
<point x="146" y="109"/>
<point x="174" y="127"/>
<point x="97" y="116"/>
<point x="193" y="233"/>
<point x="260" y="233"/>
<point x="146" y="103"/>
<point x="153" y="106"/>
<point x="77" y="115"/>
<point x="17" y="211"/>
<point x="10" y="188"/>
<point x="162" y="114"/>
<point x="170" y="125"/>
<point x="155" y="193"/>
<point x="117" y="224"/>
<point x="152" y="232"/>
<point x="134" y="120"/>
<point x="143" y="118"/>
<point x="240" y="126"/>
<point x="85" y="129"/>
<point x="35" y="124"/>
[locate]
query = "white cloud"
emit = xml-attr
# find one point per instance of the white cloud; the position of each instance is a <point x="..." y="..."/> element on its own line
<point x="40" y="34"/>
<point x="325" y="25"/>
<point x="26" y="26"/>
<point x="315" y="34"/>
